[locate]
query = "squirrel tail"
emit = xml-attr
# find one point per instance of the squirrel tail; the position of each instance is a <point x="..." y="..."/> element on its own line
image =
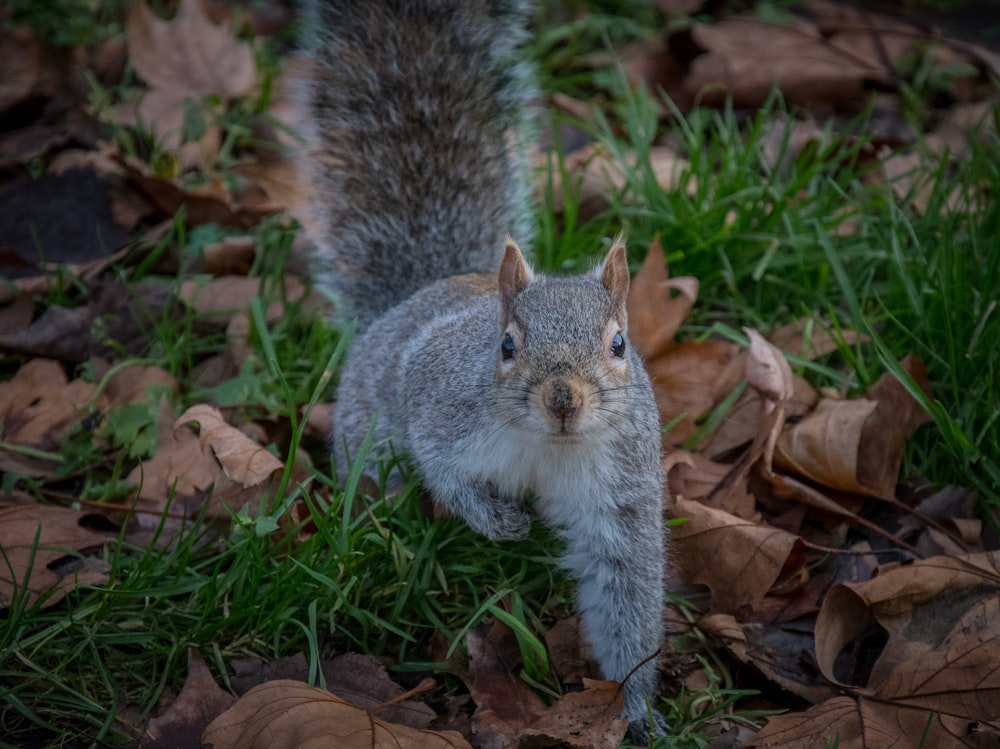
<point x="418" y="131"/>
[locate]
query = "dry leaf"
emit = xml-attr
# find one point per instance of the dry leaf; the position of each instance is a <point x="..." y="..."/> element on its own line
<point x="505" y="705"/>
<point x="187" y="57"/>
<point x="747" y="57"/>
<point x="738" y="560"/>
<point x="691" y="379"/>
<point x="657" y="305"/>
<point x="243" y="460"/>
<point x="199" y="702"/>
<point x="289" y="714"/>
<point x="938" y="674"/>
<point x="768" y="372"/>
<point x="856" y="445"/>
<point x="588" y="719"/>
<point x="63" y="531"/>
<point x="785" y="655"/>
<point x="40" y="405"/>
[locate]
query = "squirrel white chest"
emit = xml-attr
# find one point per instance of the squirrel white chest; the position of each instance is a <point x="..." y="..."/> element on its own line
<point x="569" y="479"/>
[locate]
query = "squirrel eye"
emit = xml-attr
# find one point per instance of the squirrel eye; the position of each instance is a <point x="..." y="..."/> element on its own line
<point x="507" y="348"/>
<point x="618" y="345"/>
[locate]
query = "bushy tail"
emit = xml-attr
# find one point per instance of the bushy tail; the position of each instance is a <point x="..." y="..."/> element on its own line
<point x="418" y="136"/>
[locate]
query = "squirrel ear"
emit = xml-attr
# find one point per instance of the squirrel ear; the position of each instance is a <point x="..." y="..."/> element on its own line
<point x="514" y="276"/>
<point x="614" y="278"/>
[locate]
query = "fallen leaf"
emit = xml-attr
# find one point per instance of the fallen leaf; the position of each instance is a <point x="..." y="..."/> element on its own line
<point x="182" y="467"/>
<point x="39" y="405"/>
<point x="292" y="715"/>
<point x="657" y="305"/>
<point x="747" y="57"/>
<point x="186" y="58"/>
<point x="695" y="477"/>
<point x="243" y="460"/>
<point x="739" y="561"/>
<point x="856" y="445"/>
<point x="61" y="532"/>
<point x="938" y="672"/>
<point x="201" y="700"/>
<point x="690" y="379"/>
<point x="588" y="719"/>
<point x="784" y="654"/>
<point x="768" y="372"/>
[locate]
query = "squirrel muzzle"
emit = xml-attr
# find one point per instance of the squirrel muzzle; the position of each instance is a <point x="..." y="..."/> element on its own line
<point x="564" y="404"/>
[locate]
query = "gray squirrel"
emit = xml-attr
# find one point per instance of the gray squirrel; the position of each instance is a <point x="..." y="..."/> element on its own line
<point x="515" y="394"/>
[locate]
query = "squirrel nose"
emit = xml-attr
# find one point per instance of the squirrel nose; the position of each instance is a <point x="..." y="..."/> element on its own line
<point x="563" y="401"/>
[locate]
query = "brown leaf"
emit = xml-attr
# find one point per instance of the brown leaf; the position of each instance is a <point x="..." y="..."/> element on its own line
<point x="200" y="701"/>
<point x="182" y="466"/>
<point x="805" y="338"/>
<point x="896" y="416"/>
<point x="738" y="560"/>
<point x="768" y="372"/>
<point x="570" y="655"/>
<point x="133" y="383"/>
<point x="856" y="445"/>
<point x="189" y="51"/>
<point x="743" y="422"/>
<point x="188" y="57"/>
<point x="657" y="305"/>
<point x="292" y="715"/>
<point x="693" y="476"/>
<point x="505" y="705"/>
<point x="692" y="378"/>
<point x="938" y="671"/>
<point x="746" y="57"/>
<point x="124" y="311"/>
<point x="588" y="719"/>
<point x="785" y="655"/>
<point x="823" y="446"/>
<point x="243" y="460"/>
<point x="39" y="405"/>
<point x="16" y="315"/>
<point x="61" y="532"/>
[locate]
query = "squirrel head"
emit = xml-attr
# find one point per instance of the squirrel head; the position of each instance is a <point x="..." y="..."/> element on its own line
<point x="563" y="344"/>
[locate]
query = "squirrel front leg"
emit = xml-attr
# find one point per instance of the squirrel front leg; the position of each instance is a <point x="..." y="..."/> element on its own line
<point x="479" y="504"/>
<point x="618" y="567"/>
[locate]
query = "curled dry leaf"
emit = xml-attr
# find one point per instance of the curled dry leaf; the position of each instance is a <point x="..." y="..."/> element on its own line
<point x="936" y="681"/>
<point x="740" y="561"/>
<point x="61" y="532"/>
<point x="857" y="445"/>
<point x="768" y="371"/>
<point x="784" y="654"/>
<point x="289" y="714"/>
<point x="182" y="466"/>
<point x="243" y="460"/>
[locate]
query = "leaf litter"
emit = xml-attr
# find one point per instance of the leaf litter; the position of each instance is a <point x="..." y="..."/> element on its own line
<point x="893" y="636"/>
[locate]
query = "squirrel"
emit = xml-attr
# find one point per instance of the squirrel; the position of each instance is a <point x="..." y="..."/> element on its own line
<point x="515" y="394"/>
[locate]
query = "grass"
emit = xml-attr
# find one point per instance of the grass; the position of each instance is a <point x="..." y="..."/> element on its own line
<point x="764" y="240"/>
<point x="815" y="238"/>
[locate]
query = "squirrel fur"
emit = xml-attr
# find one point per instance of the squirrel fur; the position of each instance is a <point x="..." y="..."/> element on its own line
<point x="515" y="394"/>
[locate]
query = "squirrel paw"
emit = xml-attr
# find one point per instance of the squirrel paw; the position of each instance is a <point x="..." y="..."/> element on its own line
<point x="639" y="731"/>
<point x="508" y="523"/>
<point x="507" y="519"/>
